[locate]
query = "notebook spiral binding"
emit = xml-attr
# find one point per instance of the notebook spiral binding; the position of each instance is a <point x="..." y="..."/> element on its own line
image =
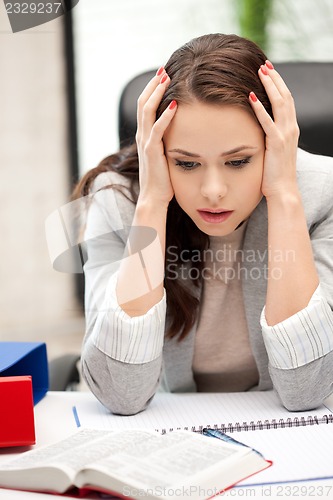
<point x="258" y="425"/>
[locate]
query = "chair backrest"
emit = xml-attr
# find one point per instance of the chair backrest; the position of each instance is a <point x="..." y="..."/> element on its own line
<point x="311" y="84"/>
<point x="128" y="105"/>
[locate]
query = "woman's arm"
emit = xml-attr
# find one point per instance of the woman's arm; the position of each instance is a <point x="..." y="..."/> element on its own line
<point x="300" y="348"/>
<point x="121" y="355"/>
<point x="125" y="298"/>
<point x="297" y="321"/>
<point x="292" y="276"/>
<point x="141" y="274"/>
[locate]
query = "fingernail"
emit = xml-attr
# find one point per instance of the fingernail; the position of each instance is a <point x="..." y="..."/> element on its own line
<point x="160" y="71"/>
<point x="164" y="77"/>
<point x="172" y="104"/>
<point x="269" y="64"/>
<point x="253" y="97"/>
<point x="264" y="70"/>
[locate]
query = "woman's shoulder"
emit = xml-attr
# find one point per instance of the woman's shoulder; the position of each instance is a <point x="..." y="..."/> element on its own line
<point x="311" y="163"/>
<point x="111" y="200"/>
<point x="107" y="179"/>
<point x="314" y="173"/>
<point x="315" y="182"/>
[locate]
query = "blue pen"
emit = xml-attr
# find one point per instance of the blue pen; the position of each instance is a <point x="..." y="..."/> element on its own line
<point x="228" y="439"/>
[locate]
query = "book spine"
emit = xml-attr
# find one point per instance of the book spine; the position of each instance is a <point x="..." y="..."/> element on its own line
<point x="258" y="425"/>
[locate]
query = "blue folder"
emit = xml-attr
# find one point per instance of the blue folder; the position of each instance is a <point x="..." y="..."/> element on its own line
<point x="26" y="358"/>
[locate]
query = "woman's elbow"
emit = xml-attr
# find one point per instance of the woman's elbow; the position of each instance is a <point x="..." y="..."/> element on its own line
<point x="122" y="388"/>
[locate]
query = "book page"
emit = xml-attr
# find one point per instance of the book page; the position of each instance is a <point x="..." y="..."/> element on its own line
<point x="161" y="461"/>
<point x="182" y="452"/>
<point x="192" y="410"/>
<point x="136" y="458"/>
<point x="53" y="467"/>
<point x="70" y="453"/>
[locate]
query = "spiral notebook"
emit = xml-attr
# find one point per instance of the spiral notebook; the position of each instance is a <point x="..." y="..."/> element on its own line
<point x="300" y="444"/>
<point x="229" y="412"/>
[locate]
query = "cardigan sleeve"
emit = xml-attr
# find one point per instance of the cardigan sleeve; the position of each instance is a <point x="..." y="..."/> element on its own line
<point x="128" y="339"/>
<point x="302" y="338"/>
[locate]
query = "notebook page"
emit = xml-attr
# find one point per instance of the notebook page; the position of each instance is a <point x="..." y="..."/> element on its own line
<point x="176" y="411"/>
<point x="297" y="453"/>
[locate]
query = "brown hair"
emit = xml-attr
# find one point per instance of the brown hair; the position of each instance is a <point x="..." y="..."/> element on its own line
<point x="219" y="69"/>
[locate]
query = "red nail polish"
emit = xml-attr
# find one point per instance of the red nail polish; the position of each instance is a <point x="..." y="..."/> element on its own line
<point x="264" y="70"/>
<point x="164" y="77"/>
<point x="160" y="71"/>
<point x="269" y="64"/>
<point x="253" y="97"/>
<point x="172" y="104"/>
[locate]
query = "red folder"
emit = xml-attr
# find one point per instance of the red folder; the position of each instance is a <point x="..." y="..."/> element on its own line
<point x="17" y="424"/>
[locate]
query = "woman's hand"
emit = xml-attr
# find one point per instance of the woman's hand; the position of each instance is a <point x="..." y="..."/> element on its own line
<point x="279" y="176"/>
<point x="154" y="178"/>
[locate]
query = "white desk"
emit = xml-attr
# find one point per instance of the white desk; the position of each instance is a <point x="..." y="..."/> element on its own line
<point x="54" y="420"/>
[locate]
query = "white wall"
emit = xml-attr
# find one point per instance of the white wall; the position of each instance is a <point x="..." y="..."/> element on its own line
<point x="36" y="302"/>
<point x="301" y="30"/>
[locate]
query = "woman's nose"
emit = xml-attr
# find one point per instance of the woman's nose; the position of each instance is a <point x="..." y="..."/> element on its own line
<point x="213" y="186"/>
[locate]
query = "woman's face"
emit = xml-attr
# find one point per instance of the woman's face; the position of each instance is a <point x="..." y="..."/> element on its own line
<point x="215" y="156"/>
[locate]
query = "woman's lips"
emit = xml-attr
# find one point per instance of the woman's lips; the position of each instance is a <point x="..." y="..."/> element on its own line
<point x="214" y="216"/>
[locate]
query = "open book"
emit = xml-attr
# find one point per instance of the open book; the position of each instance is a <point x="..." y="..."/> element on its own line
<point x="134" y="464"/>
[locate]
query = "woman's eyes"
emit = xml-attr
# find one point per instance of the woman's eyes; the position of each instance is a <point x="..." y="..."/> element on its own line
<point x="239" y="163"/>
<point x="190" y="165"/>
<point x="187" y="165"/>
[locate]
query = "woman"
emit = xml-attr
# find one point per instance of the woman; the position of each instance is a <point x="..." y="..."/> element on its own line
<point x="226" y="283"/>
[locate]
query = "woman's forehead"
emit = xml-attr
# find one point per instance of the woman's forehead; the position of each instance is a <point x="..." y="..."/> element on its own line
<point x="199" y="126"/>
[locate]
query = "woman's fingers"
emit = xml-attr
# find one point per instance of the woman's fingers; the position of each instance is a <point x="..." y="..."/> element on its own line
<point x="263" y="117"/>
<point x="284" y="114"/>
<point x="276" y="77"/>
<point x="279" y="95"/>
<point x="157" y="86"/>
<point x="149" y="88"/>
<point x="150" y="107"/>
<point x="163" y="122"/>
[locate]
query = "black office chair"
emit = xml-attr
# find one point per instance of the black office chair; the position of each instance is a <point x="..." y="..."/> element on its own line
<point x="311" y="84"/>
<point x="128" y="105"/>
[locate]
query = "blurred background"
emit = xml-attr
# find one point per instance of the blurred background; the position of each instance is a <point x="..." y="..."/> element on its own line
<point x="60" y="86"/>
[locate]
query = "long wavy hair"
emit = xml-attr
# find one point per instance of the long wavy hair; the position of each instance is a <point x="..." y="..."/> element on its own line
<point x="217" y="68"/>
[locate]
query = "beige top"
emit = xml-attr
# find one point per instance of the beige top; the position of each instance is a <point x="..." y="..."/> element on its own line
<point x="223" y="360"/>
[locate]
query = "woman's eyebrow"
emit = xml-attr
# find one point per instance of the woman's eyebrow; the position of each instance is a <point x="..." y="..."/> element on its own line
<point x="225" y="153"/>
<point x="184" y="153"/>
